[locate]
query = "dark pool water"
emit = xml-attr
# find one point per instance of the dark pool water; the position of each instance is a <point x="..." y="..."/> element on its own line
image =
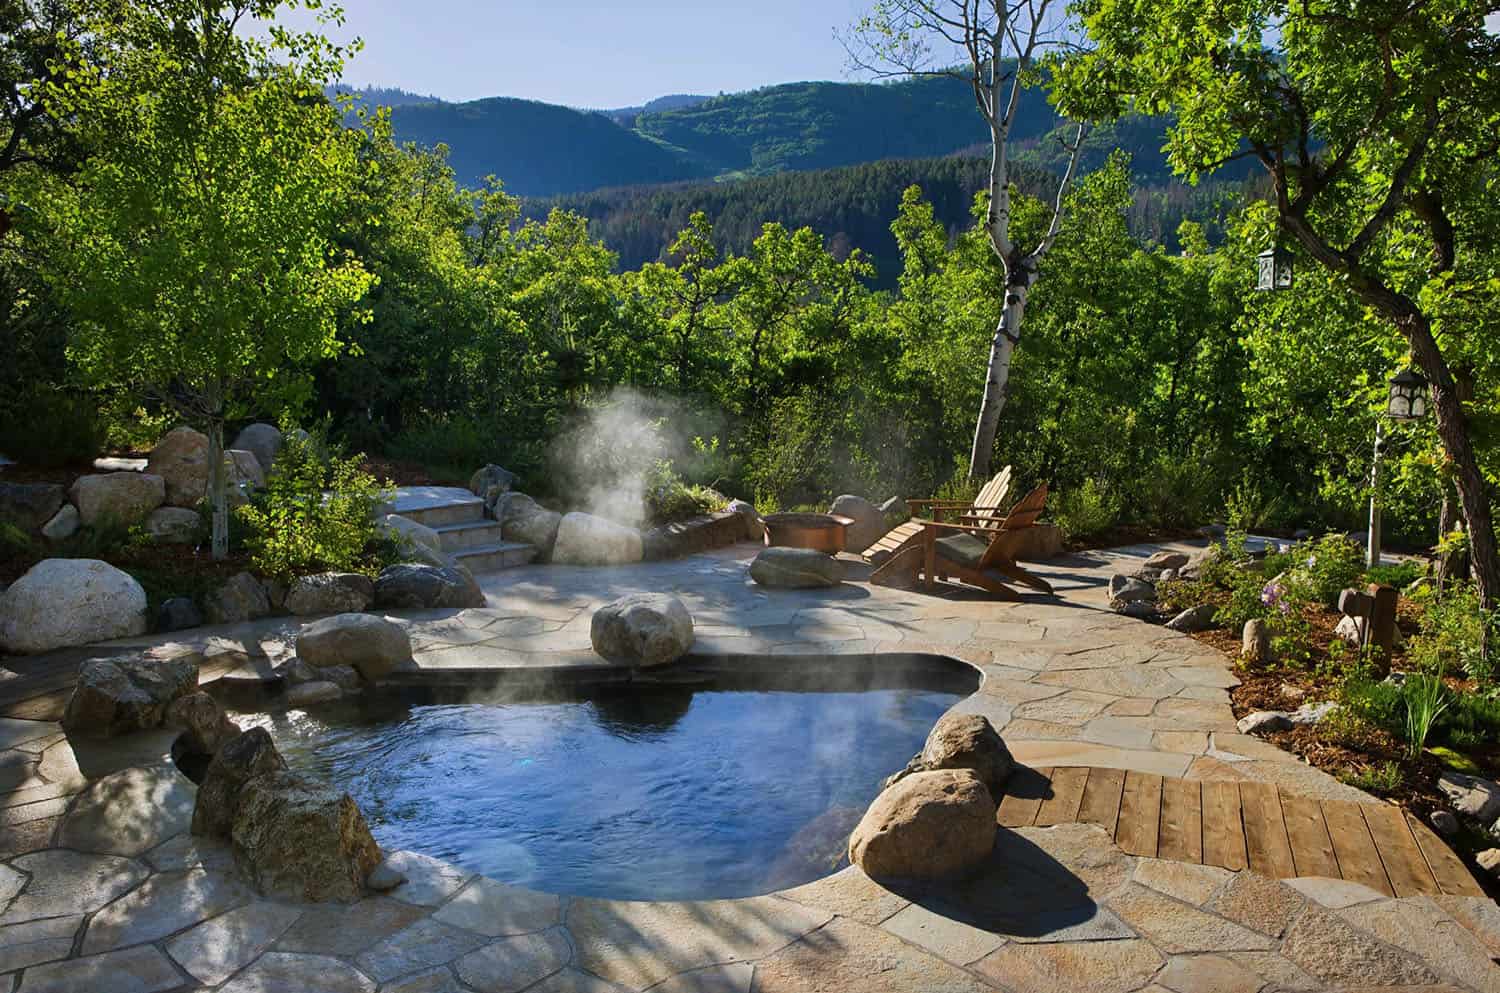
<point x="662" y="794"/>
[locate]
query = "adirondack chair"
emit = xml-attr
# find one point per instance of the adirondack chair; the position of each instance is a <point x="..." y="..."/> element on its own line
<point x="981" y="554"/>
<point x="987" y="508"/>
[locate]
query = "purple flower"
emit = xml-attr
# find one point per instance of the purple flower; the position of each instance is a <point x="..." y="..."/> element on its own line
<point x="1273" y="595"/>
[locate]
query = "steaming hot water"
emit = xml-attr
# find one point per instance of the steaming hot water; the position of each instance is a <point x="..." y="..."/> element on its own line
<point x="661" y="794"/>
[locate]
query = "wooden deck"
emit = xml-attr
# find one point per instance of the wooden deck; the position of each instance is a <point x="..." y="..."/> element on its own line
<point x="1239" y="825"/>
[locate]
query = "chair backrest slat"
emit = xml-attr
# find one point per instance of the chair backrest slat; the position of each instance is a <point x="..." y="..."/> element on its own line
<point x="1027" y="511"/>
<point x="990" y="502"/>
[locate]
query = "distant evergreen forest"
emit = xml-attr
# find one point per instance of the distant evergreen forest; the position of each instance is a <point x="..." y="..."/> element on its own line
<point x="852" y="207"/>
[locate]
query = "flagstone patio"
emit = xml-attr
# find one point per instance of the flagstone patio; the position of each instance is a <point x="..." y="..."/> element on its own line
<point x="102" y="889"/>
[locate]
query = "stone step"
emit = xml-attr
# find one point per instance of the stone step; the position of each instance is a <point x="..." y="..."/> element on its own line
<point x="470" y="534"/>
<point x="437" y="506"/>
<point x="493" y="558"/>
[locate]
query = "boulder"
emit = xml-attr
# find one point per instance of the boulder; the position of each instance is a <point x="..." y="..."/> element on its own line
<point x="178" y="614"/>
<point x="1312" y="713"/>
<point x="371" y="644"/>
<point x="1489" y="861"/>
<point x="241" y="598"/>
<point x="315" y="691"/>
<point x="755" y="528"/>
<point x="180" y="458"/>
<point x="930" y="825"/>
<point x="1193" y="571"/>
<point x="1443" y="822"/>
<point x="330" y="593"/>
<point x="1471" y="796"/>
<point x="869" y="523"/>
<point x="29" y="506"/>
<point x="796" y="569"/>
<point x="1199" y="618"/>
<point x="261" y="440"/>
<point x="1265" y="720"/>
<point x="969" y="741"/>
<point x="345" y="677"/>
<point x="1141" y="610"/>
<point x="275" y="590"/>
<point x="297" y="839"/>
<point x="409" y="534"/>
<point x="1255" y="641"/>
<point x="1168" y="576"/>
<point x="204" y="725"/>
<point x="120" y="696"/>
<point x="294" y="671"/>
<point x="1128" y="589"/>
<point x="523" y="519"/>
<point x="243" y="469"/>
<point x="412" y="584"/>
<point x="1166" y="560"/>
<point x="62" y="602"/>
<point x="63" y="524"/>
<point x="175" y="526"/>
<point x="123" y="498"/>
<point x="642" y="629"/>
<point x="490" y="484"/>
<point x="894" y="507"/>
<point x="583" y="539"/>
<point x="243" y="757"/>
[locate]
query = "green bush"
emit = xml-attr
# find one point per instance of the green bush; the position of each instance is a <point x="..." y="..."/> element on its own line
<point x="667" y="498"/>
<point x="1377" y="703"/>
<point x="456" y="446"/>
<point x="1473" y="720"/>
<point x="1452" y="634"/>
<point x="1332" y="564"/>
<point x="1087" y="510"/>
<point x="1399" y="574"/>
<point x="316" y="513"/>
<point x="58" y="428"/>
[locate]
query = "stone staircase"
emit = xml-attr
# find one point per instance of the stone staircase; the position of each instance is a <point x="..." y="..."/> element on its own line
<point x="464" y="532"/>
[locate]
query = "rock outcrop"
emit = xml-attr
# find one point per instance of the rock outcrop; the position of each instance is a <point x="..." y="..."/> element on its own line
<point x="63" y="602"/>
<point x="297" y="839"/>
<point x="642" y="629"/>
<point x="412" y="584"/>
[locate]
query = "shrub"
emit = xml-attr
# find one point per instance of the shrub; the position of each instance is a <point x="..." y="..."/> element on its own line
<point x="667" y="498"/>
<point x="59" y="428"/>
<point x="1472" y="720"/>
<point x="1377" y="703"/>
<point x="1333" y="564"/>
<point x="1452" y="633"/>
<point x="1087" y="510"/>
<point x="1399" y="574"/>
<point x="317" y="513"/>
<point x="456" y="446"/>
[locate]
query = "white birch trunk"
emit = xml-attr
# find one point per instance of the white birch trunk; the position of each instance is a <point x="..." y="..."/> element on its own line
<point x="997" y="380"/>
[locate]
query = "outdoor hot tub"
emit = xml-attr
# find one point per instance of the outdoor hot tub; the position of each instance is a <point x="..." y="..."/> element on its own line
<point x="822" y="532"/>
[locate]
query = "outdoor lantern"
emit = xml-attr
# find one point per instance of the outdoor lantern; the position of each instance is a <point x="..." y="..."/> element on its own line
<point x="1408" y="400"/>
<point x="1273" y="269"/>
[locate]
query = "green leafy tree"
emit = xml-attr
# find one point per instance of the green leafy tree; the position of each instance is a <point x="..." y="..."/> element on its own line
<point x="195" y="247"/>
<point x="1378" y="125"/>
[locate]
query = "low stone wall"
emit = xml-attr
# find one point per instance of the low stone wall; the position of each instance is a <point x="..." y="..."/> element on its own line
<point x="697" y="534"/>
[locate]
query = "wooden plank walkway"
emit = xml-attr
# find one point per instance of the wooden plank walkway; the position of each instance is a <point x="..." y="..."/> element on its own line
<point x="1240" y="825"/>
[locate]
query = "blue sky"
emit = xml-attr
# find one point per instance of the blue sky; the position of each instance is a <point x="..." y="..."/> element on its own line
<point x="588" y="53"/>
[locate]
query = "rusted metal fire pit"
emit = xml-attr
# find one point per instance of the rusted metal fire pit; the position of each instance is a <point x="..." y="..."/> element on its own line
<point x="824" y="532"/>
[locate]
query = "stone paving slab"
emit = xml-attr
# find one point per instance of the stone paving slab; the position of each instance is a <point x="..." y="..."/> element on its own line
<point x="1059" y="910"/>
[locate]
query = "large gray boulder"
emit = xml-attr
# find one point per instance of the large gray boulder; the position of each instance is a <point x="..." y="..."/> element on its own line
<point x="180" y="458"/>
<point x="1472" y="796"/>
<point x="236" y="761"/>
<point x="297" y="839"/>
<point x="969" y="741"/>
<point x="371" y="644"/>
<point x="642" y="629"/>
<point x="330" y="593"/>
<point x="796" y="569"/>
<point x="1166" y="560"/>
<point x="413" y="584"/>
<point x="178" y="614"/>
<point x="175" y="526"/>
<point x="29" y="506"/>
<point x="120" y="696"/>
<point x="412" y="536"/>
<point x="62" y="602"/>
<point x="204" y="725"/>
<point x="117" y="497"/>
<point x="583" y="539"/>
<point x="261" y="440"/>
<point x="930" y="825"/>
<point x="241" y="598"/>
<point x="869" y="521"/>
<point x="523" y="519"/>
<point x="243" y="470"/>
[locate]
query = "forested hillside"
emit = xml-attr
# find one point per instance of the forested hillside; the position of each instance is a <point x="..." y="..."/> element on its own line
<point x="544" y="150"/>
<point x="852" y="206"/>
